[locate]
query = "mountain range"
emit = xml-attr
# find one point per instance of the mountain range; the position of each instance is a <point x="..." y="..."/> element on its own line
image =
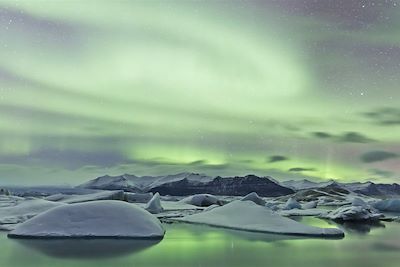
<point x="187" y="183"/>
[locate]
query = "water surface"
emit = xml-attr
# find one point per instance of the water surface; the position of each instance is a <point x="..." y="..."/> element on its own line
<point x="191" y="245"/>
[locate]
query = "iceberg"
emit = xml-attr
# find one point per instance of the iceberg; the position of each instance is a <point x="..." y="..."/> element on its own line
<point x="154" y="205"/>
<point x="291" y="203"/>
<point x="253" y="196"/>
<point x="248" y="216"/>
<point x="97" y="219"/>
<point x="201" y="200"/>
<point x="353" y="213"/>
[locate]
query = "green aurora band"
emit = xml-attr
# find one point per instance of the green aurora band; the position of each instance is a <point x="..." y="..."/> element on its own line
<point x="95" y="87"/>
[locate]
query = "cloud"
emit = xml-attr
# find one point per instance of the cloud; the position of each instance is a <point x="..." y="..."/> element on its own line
<point x="346" y="137"/>
<point x="300" y="169"/>
<point x="374" y="156"/>
<point x="354" y="137"/>
<point x="322" y="135"/>
<point x="276" y="158"/>
<point x="384" y="116"/>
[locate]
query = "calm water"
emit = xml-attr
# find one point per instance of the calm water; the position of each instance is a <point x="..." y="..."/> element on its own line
<point x="190" y="245"/>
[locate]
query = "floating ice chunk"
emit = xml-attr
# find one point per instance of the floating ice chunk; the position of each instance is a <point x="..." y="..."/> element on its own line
<point x="291" y="203"/>
<point x="201" y="200"/>
<point x="154" y="205"/>
<point x="102" y="219"/>
<point x="253" y="196"/>
<point x="354" y="213"/>
<point x="304" y="212"/>
<point x="248" y="216"/>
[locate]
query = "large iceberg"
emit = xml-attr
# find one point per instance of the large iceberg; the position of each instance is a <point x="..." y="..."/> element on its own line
<point x="98" y="219"/>
<point x="248" y="216"/>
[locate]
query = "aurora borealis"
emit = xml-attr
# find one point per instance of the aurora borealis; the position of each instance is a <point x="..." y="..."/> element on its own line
<point x="291" y="89"/>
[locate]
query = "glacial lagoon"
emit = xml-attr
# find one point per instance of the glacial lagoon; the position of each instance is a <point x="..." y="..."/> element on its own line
<point x="195" y="245"/>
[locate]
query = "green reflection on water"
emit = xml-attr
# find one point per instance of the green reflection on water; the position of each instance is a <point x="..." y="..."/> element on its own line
<point x="191" y="245"/>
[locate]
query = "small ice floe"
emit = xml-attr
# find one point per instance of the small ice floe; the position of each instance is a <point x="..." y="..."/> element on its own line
<point x="253" y="196"/>
<point x="391" y="205"/>
<point x="96" y="219"/>
<point x="309" y="205"/>
<point x="201" y="200"/>
<point x="303" y="212"/>
<point x="154" y="205"/>
<point x="354" y="213"/>
<point x="291" y="203"/>
<point x="248" y="216"/>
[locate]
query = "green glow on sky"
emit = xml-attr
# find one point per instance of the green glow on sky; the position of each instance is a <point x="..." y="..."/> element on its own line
<point x="95" y="87"/>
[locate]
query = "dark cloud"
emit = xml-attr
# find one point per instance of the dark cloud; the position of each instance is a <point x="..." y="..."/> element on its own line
<point x="277" y="158"/>
<point x="300" y="169"/>
<point x="347" y="137"/>
<point x="374" y="156"/>
<point x="354" y="137"/>
<point x="384" y="116"/>
<point x="322" y="135"/>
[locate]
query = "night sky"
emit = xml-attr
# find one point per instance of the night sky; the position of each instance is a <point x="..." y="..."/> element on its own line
<point x="291" y="89"/>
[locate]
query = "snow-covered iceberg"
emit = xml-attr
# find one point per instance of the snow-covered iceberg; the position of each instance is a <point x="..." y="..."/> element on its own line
<point x="253" y="196"/>
<point x="154" y="205"/>
<point x="248" y="216"/>
<point x="97" y="219"/>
